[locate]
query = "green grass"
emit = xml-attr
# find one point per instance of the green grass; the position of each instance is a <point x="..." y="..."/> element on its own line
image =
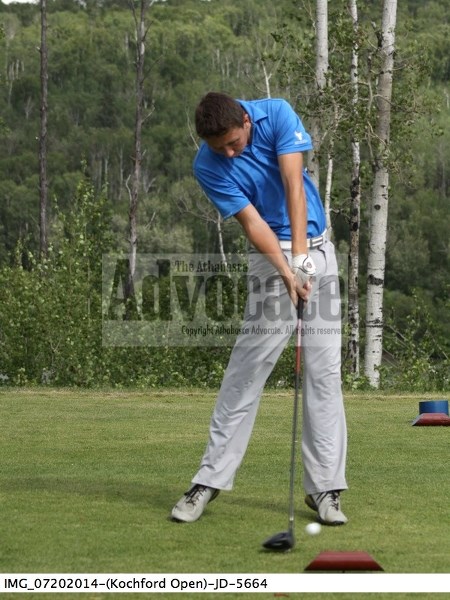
<point x="88" y="479"/>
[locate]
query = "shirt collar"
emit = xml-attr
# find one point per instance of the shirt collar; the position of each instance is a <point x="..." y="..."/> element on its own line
<point x="255" y="112"/>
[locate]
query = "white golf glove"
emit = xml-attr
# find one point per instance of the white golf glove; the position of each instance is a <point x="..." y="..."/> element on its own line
<point x="303" y="267"/>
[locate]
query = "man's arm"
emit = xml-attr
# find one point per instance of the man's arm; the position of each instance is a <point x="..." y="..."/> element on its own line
<point x="291" y="170"/>
<point x="265" y="241"/>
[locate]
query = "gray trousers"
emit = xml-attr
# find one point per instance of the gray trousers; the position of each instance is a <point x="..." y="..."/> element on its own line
<point x="269" y="321"/>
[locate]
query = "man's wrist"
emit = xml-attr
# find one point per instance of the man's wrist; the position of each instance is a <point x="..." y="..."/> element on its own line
<point x="299" y="248"/>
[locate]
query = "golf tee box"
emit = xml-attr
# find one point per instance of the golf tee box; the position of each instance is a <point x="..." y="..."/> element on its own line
<point x="433" y="419"/>
<point x="433" y="412"/>
<point x="343" y="561"/>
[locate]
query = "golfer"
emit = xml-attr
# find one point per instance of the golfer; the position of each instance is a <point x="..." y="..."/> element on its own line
<point x="251" y="168"/>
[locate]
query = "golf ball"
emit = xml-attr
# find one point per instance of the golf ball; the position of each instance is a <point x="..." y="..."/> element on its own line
<point x="313" y="528"/>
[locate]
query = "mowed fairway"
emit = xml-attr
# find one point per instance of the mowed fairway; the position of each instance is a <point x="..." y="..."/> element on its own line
<point x="88" y="479"/>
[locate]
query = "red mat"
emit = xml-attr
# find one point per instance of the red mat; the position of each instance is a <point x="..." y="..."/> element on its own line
<point x="343" y="561"/>
<point x="432" y="419"/>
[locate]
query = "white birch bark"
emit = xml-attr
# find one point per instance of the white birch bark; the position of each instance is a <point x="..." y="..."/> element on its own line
<point x="223" y="256"/>
<point x="139" y="107"/>
<point x="267" y="77"/>
<point x="355" y="213"/>
<point x="380" y="195"/>
<point x="139" y="15"/>
<point x="321" y="81"/>
<point x="206" y="215"/>
<point x="328" y="186"/>
<point x="43" y="182"/>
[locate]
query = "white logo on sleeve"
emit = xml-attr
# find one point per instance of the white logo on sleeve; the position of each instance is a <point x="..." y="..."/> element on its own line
<point x="299" y="136"/>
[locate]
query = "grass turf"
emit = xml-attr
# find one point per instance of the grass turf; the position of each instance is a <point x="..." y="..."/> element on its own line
<point x="88" y="479"/>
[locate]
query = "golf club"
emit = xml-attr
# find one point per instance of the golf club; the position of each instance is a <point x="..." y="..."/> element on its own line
<point x="285" y="540"/>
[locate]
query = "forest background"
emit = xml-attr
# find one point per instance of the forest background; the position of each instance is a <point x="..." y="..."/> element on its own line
<point x="51" y="308"/>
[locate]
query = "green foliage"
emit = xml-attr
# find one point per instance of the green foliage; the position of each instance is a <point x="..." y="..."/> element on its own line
<point x="417" y="355"/>
<point x="50" y="311"/>
<point x="51" y="315"/>
<point x="49" y="318"/>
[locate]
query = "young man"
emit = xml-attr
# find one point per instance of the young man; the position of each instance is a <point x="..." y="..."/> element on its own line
<point x="251" y="167"/>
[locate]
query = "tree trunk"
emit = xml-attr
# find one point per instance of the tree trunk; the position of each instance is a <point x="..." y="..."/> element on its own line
<point x="220" y="235"/>
<point x="355" y="214"/>
<point x="321" y="81"/>
<point x="380" y="194"/>
<point x="218" y="220"/>
<point x="267" y="80"/>
<point x="328" y="186"/>
<point x="43" y="183"/>
<point x="134" y="190"/>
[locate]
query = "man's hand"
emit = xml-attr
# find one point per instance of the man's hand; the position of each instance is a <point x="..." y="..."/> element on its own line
<point x="296" y="289"/>
<point x="303" y="268"/>
<point x="298" y="282"/>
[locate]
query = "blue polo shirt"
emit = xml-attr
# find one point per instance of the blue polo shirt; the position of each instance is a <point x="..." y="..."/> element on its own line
<point x="254" y="176"/>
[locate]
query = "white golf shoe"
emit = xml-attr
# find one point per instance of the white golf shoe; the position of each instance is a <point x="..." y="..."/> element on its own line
<point x="191" y="506"/>
<point x="328" y="507"/>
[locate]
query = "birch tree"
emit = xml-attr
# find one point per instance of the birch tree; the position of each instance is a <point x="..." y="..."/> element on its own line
<point x="380" y="196"/>
<point x="43" y="183"/>
<point x="321" y="82"/>
<point x="355" y="210"/>
<point x="135" y="187"/>
<point x="328" y="108"/>
<point x="204" y="211"/>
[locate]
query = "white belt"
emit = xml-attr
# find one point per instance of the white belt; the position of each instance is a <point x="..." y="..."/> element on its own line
<point x="313" y="242"/>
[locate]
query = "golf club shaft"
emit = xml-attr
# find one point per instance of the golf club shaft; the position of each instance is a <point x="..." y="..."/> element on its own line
<point x="295" y="415"/>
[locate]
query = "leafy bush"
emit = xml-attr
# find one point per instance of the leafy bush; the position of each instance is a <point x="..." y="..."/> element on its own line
<point x="51" y="324"/>
<point x="50" y="331"/>
<point x="51" y="316"/>
<point x="416" y="357"/>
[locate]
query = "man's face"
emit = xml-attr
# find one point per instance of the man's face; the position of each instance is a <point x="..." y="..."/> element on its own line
<point x="232" y="143"/>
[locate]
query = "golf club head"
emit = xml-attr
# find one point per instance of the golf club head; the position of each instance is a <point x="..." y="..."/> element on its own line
<point x="280" y="542"/>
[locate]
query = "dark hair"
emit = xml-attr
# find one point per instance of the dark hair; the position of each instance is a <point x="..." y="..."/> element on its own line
<point x="216" y="114"/>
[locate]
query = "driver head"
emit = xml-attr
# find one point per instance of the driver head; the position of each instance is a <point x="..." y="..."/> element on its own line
<point x="280" y="542"/>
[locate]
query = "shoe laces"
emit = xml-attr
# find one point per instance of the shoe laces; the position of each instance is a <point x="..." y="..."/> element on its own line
<point x="193" y="495"/>
<point x="335" y="499"/>
<point x="333" y="496"/>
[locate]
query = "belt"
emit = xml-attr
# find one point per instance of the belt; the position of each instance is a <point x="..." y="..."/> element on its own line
<point x="313" y="242"/>
<point x="317" y="241"/>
